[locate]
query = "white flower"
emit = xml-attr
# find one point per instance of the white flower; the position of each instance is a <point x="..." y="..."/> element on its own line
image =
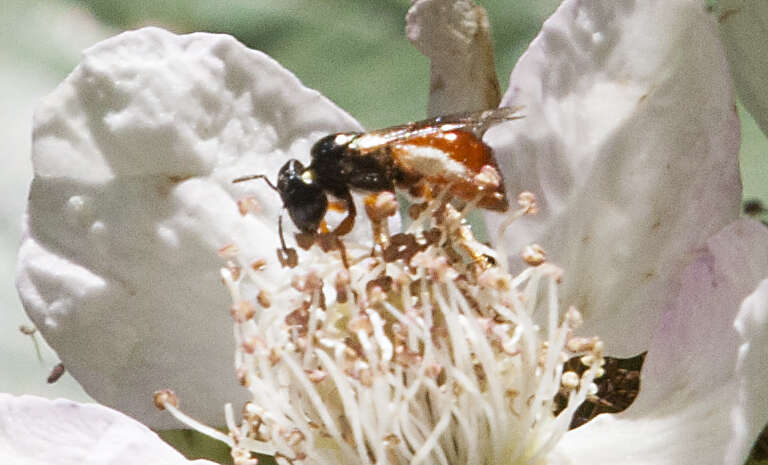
<point x="37" y="431"/>
<point x="629" y="142"/>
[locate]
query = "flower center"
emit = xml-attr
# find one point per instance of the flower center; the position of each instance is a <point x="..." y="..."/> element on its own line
<point x="417" y="354"/>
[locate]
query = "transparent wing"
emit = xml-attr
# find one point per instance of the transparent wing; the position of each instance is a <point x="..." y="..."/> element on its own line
<point x="476" y="122"/>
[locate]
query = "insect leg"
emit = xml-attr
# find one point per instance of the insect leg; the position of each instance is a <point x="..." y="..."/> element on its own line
<point x="347" y="223"/>
<point x="286" y="256"/>
<point x="342" y="252"/>
<point x="280" y="231"/>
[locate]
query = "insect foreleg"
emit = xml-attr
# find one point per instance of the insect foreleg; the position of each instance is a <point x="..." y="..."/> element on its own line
<point x="347" y="223"/>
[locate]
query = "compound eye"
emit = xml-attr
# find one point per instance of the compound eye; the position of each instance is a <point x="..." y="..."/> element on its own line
<point x="302" y="197"/>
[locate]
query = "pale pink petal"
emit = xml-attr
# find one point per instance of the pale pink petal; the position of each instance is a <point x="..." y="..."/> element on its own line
<point x="705" y="380"/>
<point x="744" y="27"/>
<point x="37" y="431"/>
<point x="630" y="144"/>
<point x="134" y="157"/>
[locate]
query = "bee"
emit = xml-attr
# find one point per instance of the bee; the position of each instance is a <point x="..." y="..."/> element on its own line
<point x="446" y="151"/>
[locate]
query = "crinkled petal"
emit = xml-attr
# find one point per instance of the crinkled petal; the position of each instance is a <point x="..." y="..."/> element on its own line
<point x="705" y="379"/>
<point x="37" y="431"/>
<point x="744" y="28"/>
<point x="630" y="144"/>
<point x="132" y="200"/>
<point x="455" y="36"/>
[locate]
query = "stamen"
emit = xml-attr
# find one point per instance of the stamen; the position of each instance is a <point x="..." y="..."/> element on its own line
<point x="409" y="355"/>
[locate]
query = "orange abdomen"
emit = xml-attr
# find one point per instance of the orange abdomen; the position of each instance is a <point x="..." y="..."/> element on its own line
<point x="455" y="158"/>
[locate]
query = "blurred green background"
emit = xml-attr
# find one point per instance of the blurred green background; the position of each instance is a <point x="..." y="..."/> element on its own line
<point x="352" y="51"/>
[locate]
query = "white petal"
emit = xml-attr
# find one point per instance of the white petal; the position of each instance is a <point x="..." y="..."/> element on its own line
<point x="705" y="379"/>
<point x="455" y="36"/>
<point x="630" y="144"/>
<point x="37" y="431"/>
<point x="744" y="28"/>
<point x="750" y="415"/>
<point x="132" y="199"/>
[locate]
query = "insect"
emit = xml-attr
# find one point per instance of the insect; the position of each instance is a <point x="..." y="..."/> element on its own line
<point x="446" y="151"/>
